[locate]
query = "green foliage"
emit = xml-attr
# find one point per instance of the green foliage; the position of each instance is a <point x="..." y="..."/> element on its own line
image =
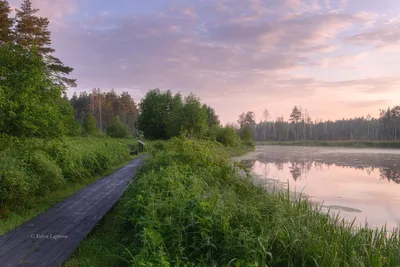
<point x="164" y="116"/>
<point x="31" y="30"/>
<point x="189" y="207"/>
<point x="90" y="125"/>
<point x="29" y="101"/>
<point x="247" y="118"/>
<point x="31" y="167"/>
<point x="246" y="135"/>
<point x="194" y="118"/>
<point x="212" y="117"/>
<point x="295" y="116"/>
<point x="111" y="105"/>
<point x="117" y="129"/>
<point x="175" y="125"/>
<point x="227" y="136"/>
<point x="68" y="118"/>
<point x="5" y="22"/>
<point x="47" y="173"/>
<point x="154" y="116"/>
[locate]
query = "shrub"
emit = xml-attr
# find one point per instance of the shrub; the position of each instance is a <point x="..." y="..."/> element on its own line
<point x="117" y="129"/>
<point x="90" y="125"/>
<point x="227" y="136"/>
<point x="32" y="167"/>
<point x="49" y="174"/>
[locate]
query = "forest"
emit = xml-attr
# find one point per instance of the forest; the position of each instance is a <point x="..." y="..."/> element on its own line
<point x="300" y="126"/>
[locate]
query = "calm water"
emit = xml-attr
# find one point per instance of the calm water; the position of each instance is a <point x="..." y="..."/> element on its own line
<point x="359" y="183"/>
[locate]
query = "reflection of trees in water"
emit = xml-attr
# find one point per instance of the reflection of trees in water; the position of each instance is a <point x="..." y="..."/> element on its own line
<point x="393" y="173"/>
<point x="388" y="169"/>
<point x="295" y="170"/>
<point x="318" y="166"/>
<point x="298" y="168"/>
<point x="279" y="166"/>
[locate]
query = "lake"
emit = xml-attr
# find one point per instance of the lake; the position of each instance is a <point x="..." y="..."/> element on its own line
<point x="358" y="183"/>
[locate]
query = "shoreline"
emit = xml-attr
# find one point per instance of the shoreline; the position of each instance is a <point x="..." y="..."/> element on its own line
<point x="344" y="143"/>
<point x="274" y="186"/>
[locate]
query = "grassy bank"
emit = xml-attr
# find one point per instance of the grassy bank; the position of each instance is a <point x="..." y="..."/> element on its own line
<point x="347" y="143"/>
<point x="188" y="207"/>
<point x="35" y="174"/>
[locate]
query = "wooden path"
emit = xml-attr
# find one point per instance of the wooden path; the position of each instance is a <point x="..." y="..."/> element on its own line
<point x="51" y="238"/>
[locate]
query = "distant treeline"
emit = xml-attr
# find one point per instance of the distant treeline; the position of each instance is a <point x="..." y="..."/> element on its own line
<point x="104" y="107"/>
<point x="300" y="126"/>
<point x="299" y="168"/>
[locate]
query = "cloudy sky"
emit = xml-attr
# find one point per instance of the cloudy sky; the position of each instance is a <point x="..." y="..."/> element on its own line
<point x="336" y="58"/>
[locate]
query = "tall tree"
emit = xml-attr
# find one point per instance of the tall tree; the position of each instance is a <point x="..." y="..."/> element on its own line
<point x="31" y="30"/>
<point x="81" y="105"/>
<point x="295" y="116"/>
<point x="30" y="104"/>
<point x="266" y="114"/>
<point x="246" y="119"/>
<point x="128" y="111"/>
<point x="154" y="115"/>
<point x="212" y="117"/>
<point x="6" y="22"/>
<point x="175" y="126"/>
<point x="195" y="117"/>
<point x="90" y="125"/>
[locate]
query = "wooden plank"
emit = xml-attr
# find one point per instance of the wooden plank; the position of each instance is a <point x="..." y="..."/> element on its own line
<point x="14" y="239"/>
<point x="21" y="235"/>
<point x="74" y="218"/>
<point x="79" y="232"/>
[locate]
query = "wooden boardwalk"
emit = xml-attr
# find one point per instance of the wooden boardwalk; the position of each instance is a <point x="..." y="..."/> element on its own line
<point x="51" y="238"/>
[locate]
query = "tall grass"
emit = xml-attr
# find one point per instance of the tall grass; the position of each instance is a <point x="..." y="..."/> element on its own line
<point x="32" y="168"/>
<point x="189" y="207"/>
<point x="345" y="143"/>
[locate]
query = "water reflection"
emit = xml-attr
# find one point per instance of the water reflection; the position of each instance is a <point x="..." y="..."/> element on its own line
<point x="387" y="167"/>
<point x="361" y="184"/>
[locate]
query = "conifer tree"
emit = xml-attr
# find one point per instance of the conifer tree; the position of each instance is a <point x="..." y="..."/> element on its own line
<point x="6" y="22"/>
<point x="31" y="30"/>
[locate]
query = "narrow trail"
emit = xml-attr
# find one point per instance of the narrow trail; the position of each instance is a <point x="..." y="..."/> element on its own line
<point x="50" y="238"/>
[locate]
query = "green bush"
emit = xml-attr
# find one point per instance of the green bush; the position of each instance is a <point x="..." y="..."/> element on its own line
<point x="30" y="103"/>
<point x="246" y="135"/>
<point x="49" y="174"/>
<point x="32" y="167"/>
<point x="227" y="136"/>
<point x="117" y="129"/>
<point x="90" y="125"/>
<point x="14" y="180"/>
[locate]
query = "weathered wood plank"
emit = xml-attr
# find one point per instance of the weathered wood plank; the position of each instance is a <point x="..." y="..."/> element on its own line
<point x="38" y="224"/>
<point x="48" y="217"/>
<point x="50" y="238"/>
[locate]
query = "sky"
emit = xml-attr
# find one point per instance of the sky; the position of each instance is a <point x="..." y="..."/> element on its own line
<point x="335" y="58"/>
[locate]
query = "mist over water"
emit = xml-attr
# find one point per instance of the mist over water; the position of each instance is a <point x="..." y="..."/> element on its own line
<point x="358" y="183"/>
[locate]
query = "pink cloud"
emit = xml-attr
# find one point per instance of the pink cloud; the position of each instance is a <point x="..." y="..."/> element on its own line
<point x="230" y="51"/>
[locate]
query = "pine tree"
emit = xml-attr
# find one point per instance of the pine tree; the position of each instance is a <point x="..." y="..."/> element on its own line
<point x="31" y="30"/>
<point x="5" y="22"/>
